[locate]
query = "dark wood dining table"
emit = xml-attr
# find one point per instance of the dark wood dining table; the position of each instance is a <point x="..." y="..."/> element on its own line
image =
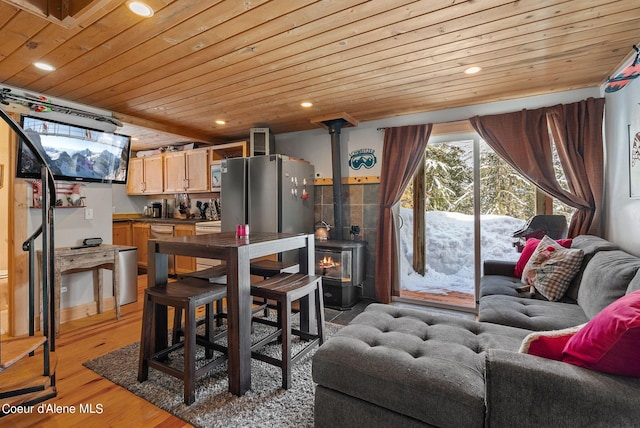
<point x="237" y="254"/>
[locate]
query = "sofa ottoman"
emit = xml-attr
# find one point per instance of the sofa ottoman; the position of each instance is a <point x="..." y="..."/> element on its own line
<point x="399" y="367"/>
<point x="394" y="366"/>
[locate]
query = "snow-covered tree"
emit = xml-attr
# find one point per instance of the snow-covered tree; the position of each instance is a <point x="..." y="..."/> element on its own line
<point x="447" y="175"/>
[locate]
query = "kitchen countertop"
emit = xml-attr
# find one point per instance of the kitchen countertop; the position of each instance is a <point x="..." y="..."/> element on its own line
<point x="160" y="220"/>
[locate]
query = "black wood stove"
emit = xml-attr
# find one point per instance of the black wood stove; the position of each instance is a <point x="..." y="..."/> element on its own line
<point x="341" y="264"/>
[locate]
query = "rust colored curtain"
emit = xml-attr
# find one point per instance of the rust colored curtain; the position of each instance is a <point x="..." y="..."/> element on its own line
<point x="523" y="140"/>
<point x="577" y="133"/>
<point x="403" y="149"/>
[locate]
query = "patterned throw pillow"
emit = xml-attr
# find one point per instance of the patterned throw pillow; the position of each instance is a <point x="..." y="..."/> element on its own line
<point x="551" y="268"/>
<point x="529" y="247"/>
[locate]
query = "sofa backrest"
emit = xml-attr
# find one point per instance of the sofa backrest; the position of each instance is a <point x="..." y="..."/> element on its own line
<point x="605" y="279"/>
<point x="590" y="245"/>
<point x="634" y="285"/>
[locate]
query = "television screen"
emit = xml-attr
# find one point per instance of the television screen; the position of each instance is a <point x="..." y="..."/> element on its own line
<point x="74" y="153"/>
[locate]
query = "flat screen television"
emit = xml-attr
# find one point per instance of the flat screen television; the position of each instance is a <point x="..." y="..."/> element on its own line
<point x="74" y="153"/>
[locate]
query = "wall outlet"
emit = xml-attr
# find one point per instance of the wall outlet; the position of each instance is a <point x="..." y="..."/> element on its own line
<point x="63" y="289"/>
<point x="88" y="213"/>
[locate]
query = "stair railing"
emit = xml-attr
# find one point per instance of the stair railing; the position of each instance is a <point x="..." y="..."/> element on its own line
<point x="46" y="231"/>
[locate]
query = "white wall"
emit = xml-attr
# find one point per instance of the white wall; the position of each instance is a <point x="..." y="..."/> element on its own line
<point x="125" y="204"/>
<point x="315" y="145"/>
<point x="622" y="214"/>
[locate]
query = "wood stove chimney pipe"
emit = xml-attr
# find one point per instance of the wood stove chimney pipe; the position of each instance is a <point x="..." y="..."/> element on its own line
<point x="335" y="124"/>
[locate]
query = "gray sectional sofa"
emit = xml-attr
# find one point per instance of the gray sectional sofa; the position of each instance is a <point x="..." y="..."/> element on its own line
<point x="394" y="366"/>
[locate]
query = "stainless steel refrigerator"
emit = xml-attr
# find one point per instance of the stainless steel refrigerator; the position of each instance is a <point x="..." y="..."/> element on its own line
<point x="272" y="193"/>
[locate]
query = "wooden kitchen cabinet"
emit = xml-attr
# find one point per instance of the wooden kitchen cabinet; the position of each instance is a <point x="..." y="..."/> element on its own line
<point x="187" y="171"/>
<point x="145" y="175"/>
<point x="238" y="149"/>
<point x="140" y="232"/>
<point x="184" y="264"/>
<point x="122" y="234"/>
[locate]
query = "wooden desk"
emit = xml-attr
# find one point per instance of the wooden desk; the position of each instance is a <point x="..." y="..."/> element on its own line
<point x="236" y="253"/>
<point x="69" y="260"/>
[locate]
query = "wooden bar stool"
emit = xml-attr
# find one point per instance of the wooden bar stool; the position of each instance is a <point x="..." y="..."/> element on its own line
<point x="267" y="268"/>
<point x="286" y="288"/>
<point x="216" y="275"/>
<point x="187" y="296"/>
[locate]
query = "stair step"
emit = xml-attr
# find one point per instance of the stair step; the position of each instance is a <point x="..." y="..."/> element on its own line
<point x="27" y="399"/>
<point x="27" y="375"/>
<point x="13" y="349"/>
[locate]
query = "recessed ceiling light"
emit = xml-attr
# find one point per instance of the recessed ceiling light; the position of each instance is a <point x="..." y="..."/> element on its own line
<point x="472" y="70"/>
<point x="140" y="8"/>
<point x="220" y="122"/>
<point x="306" y="104"/>
<point x="44" y="66"/>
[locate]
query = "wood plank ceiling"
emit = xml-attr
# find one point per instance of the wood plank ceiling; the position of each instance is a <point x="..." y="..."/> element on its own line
<point x="252" y="62"/>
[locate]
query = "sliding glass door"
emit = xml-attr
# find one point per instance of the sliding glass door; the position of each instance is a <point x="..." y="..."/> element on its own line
<point x="473" y="203"/>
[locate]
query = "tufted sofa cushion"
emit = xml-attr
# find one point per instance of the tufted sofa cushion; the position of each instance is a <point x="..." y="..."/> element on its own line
<point x="429" y="367"/>
<point x="531" y="314"/>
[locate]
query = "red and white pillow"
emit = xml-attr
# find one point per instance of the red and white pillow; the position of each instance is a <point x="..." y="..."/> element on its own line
<point x="529" y="247"/>
<point x="609" y="343"/>
<point x="551" y="268"/>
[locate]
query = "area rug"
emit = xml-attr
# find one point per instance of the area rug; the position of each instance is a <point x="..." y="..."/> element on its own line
<point x="266" y="404"/>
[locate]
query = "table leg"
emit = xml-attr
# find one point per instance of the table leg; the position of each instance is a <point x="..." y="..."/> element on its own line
<point x="239" y="322"/>
<point x="307" y="306"/>
<point x="157" y="276"/>
<point x="97" y="277"/>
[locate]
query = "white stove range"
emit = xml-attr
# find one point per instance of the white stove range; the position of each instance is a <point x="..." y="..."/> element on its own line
<point x="205" y="228"/>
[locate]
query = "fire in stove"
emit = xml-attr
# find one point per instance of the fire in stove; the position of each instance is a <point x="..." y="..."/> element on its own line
<point x="328" y="262"/>
<point x="329" y="266"/>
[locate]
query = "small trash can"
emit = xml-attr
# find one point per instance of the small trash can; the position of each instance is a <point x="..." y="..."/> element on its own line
<point x="128" y="259"/>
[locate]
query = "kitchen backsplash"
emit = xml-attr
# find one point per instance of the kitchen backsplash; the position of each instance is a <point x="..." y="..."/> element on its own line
<point x="181" y="205"/>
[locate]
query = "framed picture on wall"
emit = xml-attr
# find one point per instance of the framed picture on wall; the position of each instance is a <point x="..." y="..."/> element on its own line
<point x="215" y="176"/>
<point x="634" y="154"/>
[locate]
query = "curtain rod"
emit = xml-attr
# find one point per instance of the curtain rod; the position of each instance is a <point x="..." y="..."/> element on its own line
<point x="438" y="123"/>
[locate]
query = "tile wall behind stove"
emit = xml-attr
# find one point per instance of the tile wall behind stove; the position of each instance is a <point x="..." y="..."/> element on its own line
<point x="360" y="207"/>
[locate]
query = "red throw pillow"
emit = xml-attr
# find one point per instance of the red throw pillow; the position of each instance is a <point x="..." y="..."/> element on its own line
<point x="610" y="342"/>
<point x="548" y="344"/>
<point x="529" y="247"/>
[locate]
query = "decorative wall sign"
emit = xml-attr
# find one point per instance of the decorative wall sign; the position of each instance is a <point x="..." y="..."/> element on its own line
<point x="362" y="158"/>
<point x="634" y="154"/>
<point x="68" y="194"/>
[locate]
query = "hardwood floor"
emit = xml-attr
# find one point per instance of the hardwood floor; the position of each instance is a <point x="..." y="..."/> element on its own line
<point x="455" y="298"/>
<point x="112" y="405"/>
